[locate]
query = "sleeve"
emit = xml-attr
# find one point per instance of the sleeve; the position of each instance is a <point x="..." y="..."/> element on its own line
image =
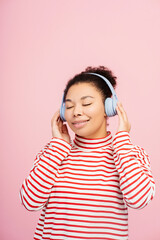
<point x="133" y="165"/>
<point x="36" y="188"/>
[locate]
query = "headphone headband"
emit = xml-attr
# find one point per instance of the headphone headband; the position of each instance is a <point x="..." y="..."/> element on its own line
<point x="107" y="81"/>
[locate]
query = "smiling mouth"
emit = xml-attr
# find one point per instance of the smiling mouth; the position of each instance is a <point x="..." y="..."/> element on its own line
<point x="80" y="123"/>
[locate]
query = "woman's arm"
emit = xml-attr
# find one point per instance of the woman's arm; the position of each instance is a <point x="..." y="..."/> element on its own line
<point x="133" y="165"/>
<point x="36" y="188"/>
<point x="135" y="176"/>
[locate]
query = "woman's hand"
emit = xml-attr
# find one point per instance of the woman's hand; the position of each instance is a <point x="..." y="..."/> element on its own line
<point x="59" y="129"/>
<point x="124" y="124"/>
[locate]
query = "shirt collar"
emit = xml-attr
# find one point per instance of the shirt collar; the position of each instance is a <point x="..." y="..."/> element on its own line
<point x="89" y="143"/>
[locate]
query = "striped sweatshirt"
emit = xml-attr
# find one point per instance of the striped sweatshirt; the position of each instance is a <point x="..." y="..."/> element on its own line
<point x="85" y="187"/>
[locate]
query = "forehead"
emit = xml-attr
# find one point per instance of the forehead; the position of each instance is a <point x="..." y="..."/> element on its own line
<point x="83" y="89"/>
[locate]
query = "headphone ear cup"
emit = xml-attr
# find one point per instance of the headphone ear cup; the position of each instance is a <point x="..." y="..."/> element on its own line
<point x="110" y="107"/>
<point x="62" y="112"/>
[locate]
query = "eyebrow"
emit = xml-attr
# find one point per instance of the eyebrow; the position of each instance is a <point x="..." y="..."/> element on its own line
<point x="82" y="98"/>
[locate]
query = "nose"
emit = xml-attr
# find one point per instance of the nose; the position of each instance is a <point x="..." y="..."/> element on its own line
<point x="77" y="111"/>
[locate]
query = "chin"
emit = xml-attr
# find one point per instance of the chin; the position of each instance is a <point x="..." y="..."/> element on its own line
<point x="85" y="134"/>
<point x="81" y="133"/>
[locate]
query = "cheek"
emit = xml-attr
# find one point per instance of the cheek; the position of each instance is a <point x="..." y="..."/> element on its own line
<point x="97" y="110"/>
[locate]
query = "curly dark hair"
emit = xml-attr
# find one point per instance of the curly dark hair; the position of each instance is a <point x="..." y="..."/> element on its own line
<point x="96" y="81"/>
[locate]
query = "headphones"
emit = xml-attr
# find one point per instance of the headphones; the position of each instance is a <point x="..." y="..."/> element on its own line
<point x="110" y="103"/>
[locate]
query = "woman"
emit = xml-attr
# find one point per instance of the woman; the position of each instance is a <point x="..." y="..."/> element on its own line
<point x="85" y="186"/>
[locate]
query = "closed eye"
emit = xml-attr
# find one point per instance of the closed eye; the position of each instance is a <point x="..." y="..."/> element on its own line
<point x="86" y="104"/>
<point x="69" y="107"/>
<point x="82" y="105"/>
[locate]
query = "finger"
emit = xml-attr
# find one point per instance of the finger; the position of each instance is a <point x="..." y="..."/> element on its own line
<point x="122" y="111"/>
<point x="60" y="124"/>
<point x="55" y="117"/>
<point x="120" y="106"/>
<point x="119" y="112"/>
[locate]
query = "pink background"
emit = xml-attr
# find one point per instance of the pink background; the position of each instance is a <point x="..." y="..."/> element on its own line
<point x="43" y="44"/>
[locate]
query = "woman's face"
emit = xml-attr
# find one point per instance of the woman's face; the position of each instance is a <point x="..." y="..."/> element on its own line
<point x="84" y="111"/>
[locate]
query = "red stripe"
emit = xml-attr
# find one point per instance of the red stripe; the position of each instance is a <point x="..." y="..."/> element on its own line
<point x="90" y="189"/>
<point x="114" y="234"/>
<point x="89" y="184"/>
<point x="89" y="170"/>
<point x="80" y="220"/>
<point x="76" y="204"/>
<point x="33" y="208"/>
<point x="89" y="227"/>
<point x="102" y="180"/>
<point x="131" y="171"/>
<point x="39" y="177"/>
<point x="88" y="161"/>
<point x="38" y="183"/>
<point x="91" y="200"/>
<point x="79" y="237"/>
<point x="38" y="196"/>
<point x="82" y="146"/>
<point x="54" y="157"/>
<point x="73" y="152"/>
<point x="91" y="194"/>
<point x="121" y="136"/>
<point x="91" y="175"/>
<point x="137" y="193"/>
<point x="133" y="189"/>
<point x="69" y="163"/>
<point x="59" y="142"/>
